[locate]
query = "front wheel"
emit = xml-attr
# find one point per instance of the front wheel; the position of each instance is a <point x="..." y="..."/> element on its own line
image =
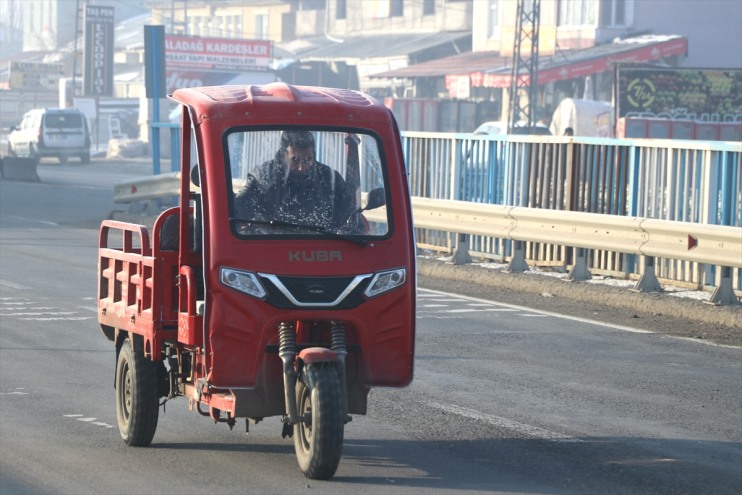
<point x="137" y="391"/>
<point x="318" y="438"/>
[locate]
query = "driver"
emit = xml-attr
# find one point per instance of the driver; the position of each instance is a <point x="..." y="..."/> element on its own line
<point x="294" y="187"/>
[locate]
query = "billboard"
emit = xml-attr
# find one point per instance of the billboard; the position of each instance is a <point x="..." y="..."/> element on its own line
<point x="98" y="65"/>
<point x="707" y="95"/>
<point x="193" y="61"/>
<point x="27" y="76"/>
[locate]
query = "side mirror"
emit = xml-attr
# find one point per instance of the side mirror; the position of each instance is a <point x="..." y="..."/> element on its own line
<point x="375" y="199"/>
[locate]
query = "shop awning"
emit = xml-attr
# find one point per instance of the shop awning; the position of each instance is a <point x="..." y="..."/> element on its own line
<point x="373" y="46"/>
<point x="488" y="69"/>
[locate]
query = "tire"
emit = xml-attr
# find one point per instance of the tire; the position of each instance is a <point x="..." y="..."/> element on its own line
<point x="319" y="444"/>
<point x="62" y="159"/>
<point x="137" y="406"/>
<point x="85" y="158"/>
<point x="11" y="151"/>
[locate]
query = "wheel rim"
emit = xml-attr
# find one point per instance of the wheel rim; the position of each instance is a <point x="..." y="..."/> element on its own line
<point x="305" y="425"/>
<point x="125" y="393"/>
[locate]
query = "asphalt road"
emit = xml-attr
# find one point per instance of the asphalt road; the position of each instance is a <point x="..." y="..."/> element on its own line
<point x="506" y="399"/>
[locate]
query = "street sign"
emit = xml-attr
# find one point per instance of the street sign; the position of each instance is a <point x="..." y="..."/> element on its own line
<point x="98" y="68"/>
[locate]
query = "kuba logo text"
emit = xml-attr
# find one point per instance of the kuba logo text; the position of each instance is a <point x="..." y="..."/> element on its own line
<point x="315" y="256"/>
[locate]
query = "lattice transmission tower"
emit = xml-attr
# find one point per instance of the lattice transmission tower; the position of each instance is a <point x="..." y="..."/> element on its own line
<point x="524" y="71"/>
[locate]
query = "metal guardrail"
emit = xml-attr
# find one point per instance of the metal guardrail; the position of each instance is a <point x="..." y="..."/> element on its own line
<point x="709" y="244"/>
<point x="147" y="188"/>
<point x="716" y="245"/>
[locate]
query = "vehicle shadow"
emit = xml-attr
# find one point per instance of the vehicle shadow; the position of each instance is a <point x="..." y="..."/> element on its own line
<point x="580" y="465"/>
<point x="516" y="465"/>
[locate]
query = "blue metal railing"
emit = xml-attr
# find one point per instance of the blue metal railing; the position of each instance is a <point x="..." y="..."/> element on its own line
<point x="686" y="181"/>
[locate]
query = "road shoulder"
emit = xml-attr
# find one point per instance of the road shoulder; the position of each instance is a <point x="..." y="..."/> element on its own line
<point x="656" y="312"/>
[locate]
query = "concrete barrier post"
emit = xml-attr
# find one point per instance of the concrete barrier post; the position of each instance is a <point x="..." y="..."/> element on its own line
<point x="21" y="169"/>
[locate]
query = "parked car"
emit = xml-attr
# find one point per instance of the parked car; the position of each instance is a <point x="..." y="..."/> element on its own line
<point x="51" y="132"/>
<point x="493" y="127"/>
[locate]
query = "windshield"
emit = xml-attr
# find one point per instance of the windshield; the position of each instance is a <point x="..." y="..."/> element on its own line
<point x="306" y="182"/>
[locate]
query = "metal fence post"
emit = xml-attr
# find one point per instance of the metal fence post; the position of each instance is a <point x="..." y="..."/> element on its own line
<point x="648" y="281"/>
<point x="461" y="251"/>
<point x="579" y="271"/>
<point x="724" y="294"/>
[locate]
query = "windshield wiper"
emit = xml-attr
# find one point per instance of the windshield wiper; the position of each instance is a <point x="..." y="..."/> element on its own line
<point x="300" y="226"/>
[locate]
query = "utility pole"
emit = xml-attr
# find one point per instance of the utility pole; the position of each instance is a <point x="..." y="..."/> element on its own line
<point x="74" y="54"/>
<point x="524" y="70"/>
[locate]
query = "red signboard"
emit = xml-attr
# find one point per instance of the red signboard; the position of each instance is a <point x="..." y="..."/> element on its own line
<point x="579" y="66"/>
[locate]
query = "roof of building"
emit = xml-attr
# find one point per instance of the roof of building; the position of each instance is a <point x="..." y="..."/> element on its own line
<point x="370" y="46"/>
<point x="489" y="69"/>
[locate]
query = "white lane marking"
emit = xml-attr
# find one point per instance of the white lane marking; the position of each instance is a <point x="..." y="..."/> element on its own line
<point x="15" y="393"/>
<point x="13" y="285"/>
<point x="40" y="313"/>
<point x="479" y="310"/>
<point x="520" y="428"/>
<point x="44" y="222"/>
<point x="581" y="320"/>
<point x="87" y="419"/>
<point x="86" y="308"/>
<point x="63" y="318"/>
<point x="532" y="315"/>
<point x="433" y="305"/>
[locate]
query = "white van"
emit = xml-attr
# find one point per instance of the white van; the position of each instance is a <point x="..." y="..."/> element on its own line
<point x="51" y="132"/>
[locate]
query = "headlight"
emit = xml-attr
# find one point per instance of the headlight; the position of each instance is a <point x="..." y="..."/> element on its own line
<point x="385" y="281"/>
<point x="245" y="282"/>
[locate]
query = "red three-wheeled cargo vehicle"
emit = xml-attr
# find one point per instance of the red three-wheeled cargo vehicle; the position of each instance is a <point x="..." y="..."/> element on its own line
<point x="284" y="282"/>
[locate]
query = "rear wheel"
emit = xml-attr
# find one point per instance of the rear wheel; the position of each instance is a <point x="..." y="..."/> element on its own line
<point x="137" y="392"/>
<point x="85" y="158"/>
<point x="318" y="439"/>
<point x="62" y="159"/>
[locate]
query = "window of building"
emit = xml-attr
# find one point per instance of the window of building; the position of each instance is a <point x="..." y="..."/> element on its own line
<point x="396" y="8"/>
<point x="261" y="26"/>
<point x="494" y="18"/>
<point x="615" y="12"/>
<point x="577" y="13"/>
<point x="428" y="7"/>
<point x="341" y="9"/>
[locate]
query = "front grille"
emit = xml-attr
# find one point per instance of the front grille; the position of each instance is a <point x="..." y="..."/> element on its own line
<point x="319" y="292"/>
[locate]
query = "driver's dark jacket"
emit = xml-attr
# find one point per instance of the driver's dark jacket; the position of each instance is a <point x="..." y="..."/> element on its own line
<point x="317" y="197"/>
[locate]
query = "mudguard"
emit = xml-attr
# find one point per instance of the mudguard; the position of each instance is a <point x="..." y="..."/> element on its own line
<point x="317" y="355"/>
